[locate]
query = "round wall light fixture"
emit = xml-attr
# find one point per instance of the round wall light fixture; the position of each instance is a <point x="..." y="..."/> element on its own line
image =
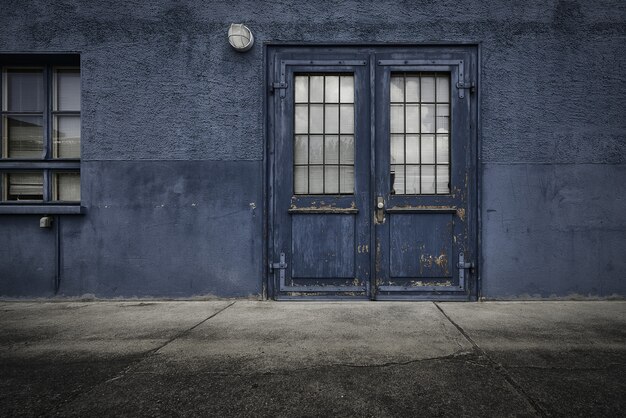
<point x="240" y="37"/>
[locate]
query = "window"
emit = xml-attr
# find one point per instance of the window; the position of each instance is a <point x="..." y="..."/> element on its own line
<point x="420" y="133"/>
<point x="40" y="131"/>
<point x="324" y="134"/>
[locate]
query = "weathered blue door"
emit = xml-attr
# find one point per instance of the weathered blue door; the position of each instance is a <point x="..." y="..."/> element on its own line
<point x="371" y="174"/>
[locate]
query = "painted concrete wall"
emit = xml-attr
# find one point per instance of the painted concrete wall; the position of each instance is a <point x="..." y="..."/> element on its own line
<point x="173" y="140"/>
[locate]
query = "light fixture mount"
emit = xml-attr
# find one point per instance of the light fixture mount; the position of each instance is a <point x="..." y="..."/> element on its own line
<point x="240" y="37"/>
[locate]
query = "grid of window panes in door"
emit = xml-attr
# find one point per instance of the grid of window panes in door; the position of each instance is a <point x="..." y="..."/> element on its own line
<point x="33" y="131"/>
<point x="324" y="134"/>
<point x="420" y="133"/>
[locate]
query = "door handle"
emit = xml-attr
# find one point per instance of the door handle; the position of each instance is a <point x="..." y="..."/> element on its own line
<point x="380" y="210"/>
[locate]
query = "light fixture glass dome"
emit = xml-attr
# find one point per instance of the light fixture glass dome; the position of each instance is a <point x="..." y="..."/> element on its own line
<point x="240" y="37"/>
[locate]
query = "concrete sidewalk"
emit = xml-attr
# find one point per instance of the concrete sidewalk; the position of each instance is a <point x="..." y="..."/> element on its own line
<point x="243" y="358"/>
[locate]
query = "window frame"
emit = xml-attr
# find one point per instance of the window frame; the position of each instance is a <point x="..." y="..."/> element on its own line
<point x="46" y="164"/>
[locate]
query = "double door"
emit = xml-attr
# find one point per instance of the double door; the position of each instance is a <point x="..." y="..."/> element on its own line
<point x="372" y="186"/>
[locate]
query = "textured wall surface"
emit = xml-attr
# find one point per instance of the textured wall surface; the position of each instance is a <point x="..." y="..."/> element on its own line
<point x="161" y="87"/>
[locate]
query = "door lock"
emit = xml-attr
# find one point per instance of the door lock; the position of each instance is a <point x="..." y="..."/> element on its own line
<point x="380" y="210"/>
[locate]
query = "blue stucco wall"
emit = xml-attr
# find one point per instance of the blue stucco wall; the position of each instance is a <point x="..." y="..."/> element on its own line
<point x="173" y="140"/>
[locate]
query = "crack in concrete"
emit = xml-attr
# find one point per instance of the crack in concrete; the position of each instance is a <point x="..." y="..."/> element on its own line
<point x="571" y="369"/>
<point x="141" y="358"/>
<point x="537" y="409"/>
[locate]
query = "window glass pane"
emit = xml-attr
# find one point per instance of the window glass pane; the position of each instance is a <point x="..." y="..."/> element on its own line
<point x="443" y="178"/>
<point x="397" y="179"/>
<point x="443" y="151"/>
<point x="428" y="118"/>
<point x="326" y="111"/>
<point x="419" y="133"/>
<point x="316" y="89"/>
<point x="302" y="119"/>
<point x="346" y="179"/>
<point x="412" y="118"/>
<point x="347" y="149"/>
<point x="316" y="179"/>
<point x="332" y="89"/>
<point x="443" y="88"/>
<point x="316" y="123"/>
<point x="397" y="149"/>
<point x="66" y="137"/>
<point x="428" y="179"/>
<point x="347" y="88"/>
<point x="331" y="119"/>
<point x="66" y="187"/>
<point x="23" y="136"/>
<point x="301" y="149"/>
<point x="397" y="89"/>
<point x="397" y="118"/>
<point x="302" y="89"/>
<point x="301" y="180"/>
<point x="428" y="88"/>
<point x="412" y="149"/>
<point x="331" y="180"/>
<point x="332" y="149"/>
<point x="412" y="179"/>
<point x="428" y="149"/>
<point x="443" y="118"/>
<point x="24" y="90"/>
<point x="412" y="89"/>
<point x="346" y="119"/>
<point x="316" y="149"/>
<point x="67" y="89"/>
<point x="23" y="186"/>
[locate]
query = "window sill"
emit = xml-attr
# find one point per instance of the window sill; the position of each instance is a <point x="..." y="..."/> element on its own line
<point x="41" y="209"/>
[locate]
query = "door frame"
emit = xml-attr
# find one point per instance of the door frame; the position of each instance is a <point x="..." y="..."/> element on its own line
<point x="270" y="49"/>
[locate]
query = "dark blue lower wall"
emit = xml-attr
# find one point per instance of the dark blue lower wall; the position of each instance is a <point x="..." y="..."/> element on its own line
<point x="554" y="230"/>
<point x="151" y="228"/>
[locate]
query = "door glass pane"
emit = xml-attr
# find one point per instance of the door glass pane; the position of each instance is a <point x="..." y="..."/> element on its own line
<point x="316" y="149"/>
<point x="332" y="89"/>
<point x="23" y="136"/>
<point x="331" y="150"/>
<point x="67" y="89"/>
<point x="302" y="89"/>
<point x="347" y="88"/>
<point x="443" y="176"/>
<point x="428" y="88"/>
<point x="419" y="110"/>
<point x="24" y="90"/>
<point x="316" y="179"/>
<point x="397" y="149"/>
<point x="331" y="119"/>
<point x="324" y="161"/>
<point x="346" y="185"/>
<point x="66" y="187"/>
<point x="331" y="179"/>
<point x="23" y="186"/>
<point x="301" y="179"/>
<point x="412" y="89"/>
<point x="428" y="149"/>
<point x="347" y="149"/>
<point x="316" y="89"/>
<point x="301" y="150"/>
<point x="428" y="179"/>
<point x="443" y="118"/>
<point x="66" y="137"/>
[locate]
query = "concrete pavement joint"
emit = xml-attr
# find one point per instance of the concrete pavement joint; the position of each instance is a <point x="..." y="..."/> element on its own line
<point x="142" y="358"/>
<point x="537" y="409"/>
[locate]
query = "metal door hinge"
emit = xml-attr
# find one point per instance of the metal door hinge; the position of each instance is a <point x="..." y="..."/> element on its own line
<point x="281" y="265"/>
<point x="463" y="265"/>
<point x="471" y="86"/>
<point x="277" y="86"/>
